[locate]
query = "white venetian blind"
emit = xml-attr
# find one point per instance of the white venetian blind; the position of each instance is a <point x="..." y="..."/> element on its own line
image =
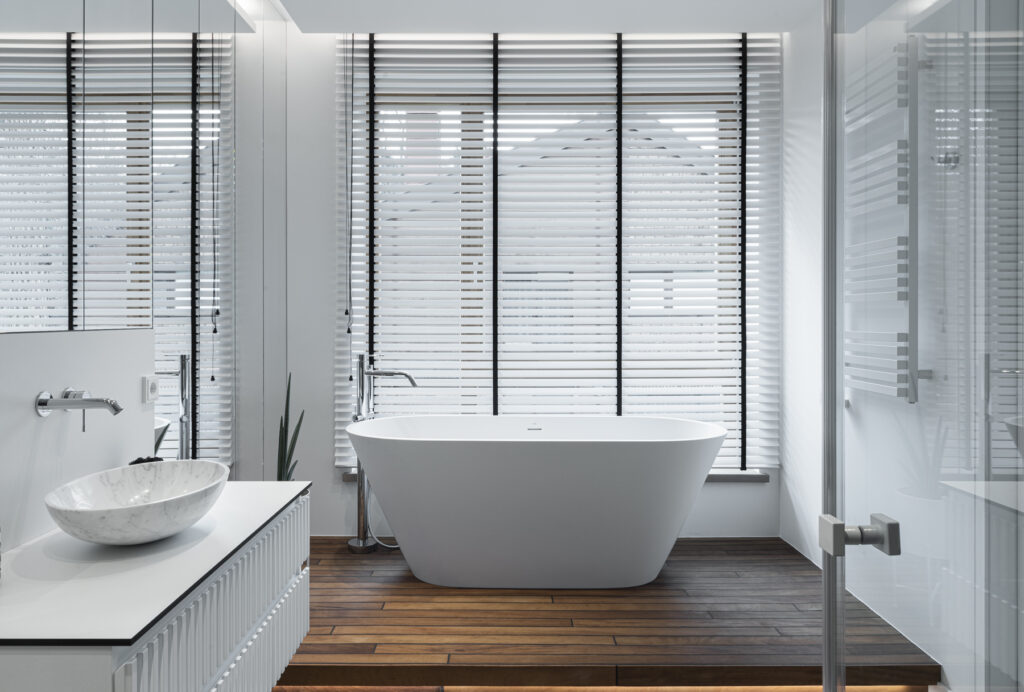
<point x="216" y="212"/>
<point x="113" y="176"/>
<point x="683" y="121"/>
<point x="556" y="224"/>
<point x="33" y="183"/>
<point x="172" y="212"/>
<point x="764" y="247"/>
<point x="694" y="110"/>
<point x="433" y="240"/>
<point x="682" y="215"/>
<point x="351" y="78"/>
<point x="172" y="275"/>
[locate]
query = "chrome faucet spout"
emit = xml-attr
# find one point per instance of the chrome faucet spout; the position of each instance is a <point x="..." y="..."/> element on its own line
<point x="82" y="404"/>
<point x="364" y="385"/>
<point x="105" y="403"/>
<point x="393" y="373"/>
<point x="75" y="400"/>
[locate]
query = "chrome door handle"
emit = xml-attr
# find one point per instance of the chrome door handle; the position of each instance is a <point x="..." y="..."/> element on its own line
<point x="883" y="532"/>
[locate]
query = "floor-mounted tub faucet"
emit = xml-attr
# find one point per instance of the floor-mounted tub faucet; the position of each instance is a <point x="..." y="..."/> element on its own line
<point x="365" y="374"/>
<point x="364" y="385"/>
<point x="184" y="406"/>
<point x="184" y="375"/>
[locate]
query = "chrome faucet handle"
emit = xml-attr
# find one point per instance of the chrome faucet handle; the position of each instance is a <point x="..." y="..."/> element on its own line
<point x="72" y="393"/>
<point x="46" y="402"/>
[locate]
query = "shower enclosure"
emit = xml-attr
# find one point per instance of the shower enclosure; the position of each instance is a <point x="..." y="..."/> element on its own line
<point x="925" y="329"/>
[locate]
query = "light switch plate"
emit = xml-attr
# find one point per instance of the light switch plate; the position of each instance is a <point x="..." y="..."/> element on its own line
<point x="150" y="388"/>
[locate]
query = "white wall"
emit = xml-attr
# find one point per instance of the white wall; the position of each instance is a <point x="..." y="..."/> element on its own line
<point x="740" y="509"/>
<point x="802" y="392"/>
<point x="546" y="16"/>
<point x="313" y="280"/>
<point x="38" y="454"/>
<point x="103" y="16"/>
<point x="287" y="262"/>
<point x="260" y="251"/>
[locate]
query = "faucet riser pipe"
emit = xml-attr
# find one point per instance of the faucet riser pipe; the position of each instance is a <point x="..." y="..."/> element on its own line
<point x="362" y="543"/>
<point x="185" y="399"/>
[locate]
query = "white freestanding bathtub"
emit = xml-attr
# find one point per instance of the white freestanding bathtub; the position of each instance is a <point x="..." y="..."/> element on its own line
<point x="545" y="502"/>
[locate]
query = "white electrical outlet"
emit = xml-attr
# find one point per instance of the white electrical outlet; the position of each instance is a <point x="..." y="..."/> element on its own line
<point x="150" y="388"/>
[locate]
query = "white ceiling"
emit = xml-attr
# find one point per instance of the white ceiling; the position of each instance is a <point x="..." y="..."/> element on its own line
<point x="115" y="16"/>
<point x="547" y="16"/>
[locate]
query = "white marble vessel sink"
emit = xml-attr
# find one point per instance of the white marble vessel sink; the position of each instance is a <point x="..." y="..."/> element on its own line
<point x="137" y="504"/>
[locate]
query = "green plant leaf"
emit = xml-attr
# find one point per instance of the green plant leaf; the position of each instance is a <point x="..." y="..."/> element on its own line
<point x="160" y="440"/>
<point x="280" y="429"/>
<point x="282" y="446"/>
<point x="295" y="437"/>
<point x="288" y="404"/>
<point x="286" y="447"/>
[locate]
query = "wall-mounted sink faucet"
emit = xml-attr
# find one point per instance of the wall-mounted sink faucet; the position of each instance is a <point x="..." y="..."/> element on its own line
<point x="74" y="400"/>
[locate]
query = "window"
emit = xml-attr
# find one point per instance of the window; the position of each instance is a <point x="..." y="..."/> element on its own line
<point x="116" y="205"/>
<point x="612" y="247"/>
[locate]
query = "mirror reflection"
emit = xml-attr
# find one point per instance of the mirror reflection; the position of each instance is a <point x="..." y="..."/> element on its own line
<point x="116" y="179"/>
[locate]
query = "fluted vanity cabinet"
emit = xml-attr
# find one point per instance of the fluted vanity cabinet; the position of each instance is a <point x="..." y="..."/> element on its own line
<point x="221" y="606"/>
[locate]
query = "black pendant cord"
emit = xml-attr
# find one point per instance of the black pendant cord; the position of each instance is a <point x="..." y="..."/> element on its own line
<point x="72" y="230"/>
<point x="494" y="224"/>
<point x="618" y="224"/>
<point x="194" y="252"/>
<point x="743" y="253"/>
<point x="371" y="215"/>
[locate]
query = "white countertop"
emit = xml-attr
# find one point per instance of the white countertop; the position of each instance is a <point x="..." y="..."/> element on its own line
<point x="1009" y="494"/>
<point x="60" y="590"/>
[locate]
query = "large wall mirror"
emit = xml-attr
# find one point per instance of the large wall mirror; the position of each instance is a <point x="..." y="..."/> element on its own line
<point x="116" y="163"/>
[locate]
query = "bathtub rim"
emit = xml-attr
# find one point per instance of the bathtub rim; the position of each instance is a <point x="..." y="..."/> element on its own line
<point x="712" y="430"/>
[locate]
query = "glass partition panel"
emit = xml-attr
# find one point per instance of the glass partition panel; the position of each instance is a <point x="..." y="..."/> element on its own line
<point x="929" y="323"/>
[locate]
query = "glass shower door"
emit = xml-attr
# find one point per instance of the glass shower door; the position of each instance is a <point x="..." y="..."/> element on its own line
<point x="928" y="326"/>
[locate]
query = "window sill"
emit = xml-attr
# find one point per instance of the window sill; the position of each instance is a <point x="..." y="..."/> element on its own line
<point x="737" y="476"/>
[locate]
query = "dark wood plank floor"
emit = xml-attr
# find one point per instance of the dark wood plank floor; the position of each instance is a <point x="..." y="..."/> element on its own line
<point x="722" y="612"/>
